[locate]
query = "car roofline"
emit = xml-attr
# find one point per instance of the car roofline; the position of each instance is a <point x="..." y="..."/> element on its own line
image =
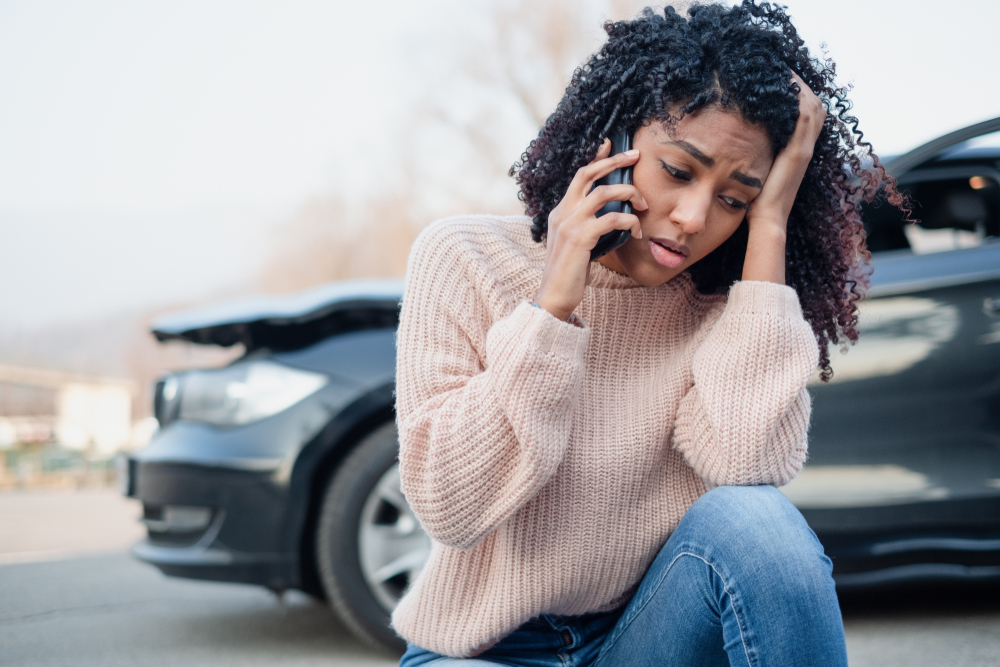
<point x="901" y="164"/>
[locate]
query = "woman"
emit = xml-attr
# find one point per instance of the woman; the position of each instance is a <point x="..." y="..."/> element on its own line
<point x="594" y="446"/>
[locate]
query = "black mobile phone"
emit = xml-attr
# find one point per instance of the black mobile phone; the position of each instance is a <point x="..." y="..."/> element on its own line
<point x="620" y="142"/>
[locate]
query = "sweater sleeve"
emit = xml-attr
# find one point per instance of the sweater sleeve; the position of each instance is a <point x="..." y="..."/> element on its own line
<point x="483" y="412"/>
<point x="744" y="420"/>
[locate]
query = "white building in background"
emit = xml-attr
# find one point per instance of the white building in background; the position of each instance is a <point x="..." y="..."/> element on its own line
<point x="98" y="415"/>
<point x="87" y="413"/>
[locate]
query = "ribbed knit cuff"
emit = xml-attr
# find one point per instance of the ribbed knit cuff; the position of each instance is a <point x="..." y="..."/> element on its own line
<point x="548" y="333"/>
<point x="761" y="297"/>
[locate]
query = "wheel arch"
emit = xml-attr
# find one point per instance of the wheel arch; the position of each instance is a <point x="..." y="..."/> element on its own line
<point x="316" y="463"/>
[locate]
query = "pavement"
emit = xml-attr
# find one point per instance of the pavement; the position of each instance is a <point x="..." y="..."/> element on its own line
<point x="71" y="595"/>
<point x="941" y="624"/>
<point x="110" y="611"/>
<point x="44" y="524"/>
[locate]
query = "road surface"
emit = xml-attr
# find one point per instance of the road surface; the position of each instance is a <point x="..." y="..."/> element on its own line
<point x="71" y="596"/>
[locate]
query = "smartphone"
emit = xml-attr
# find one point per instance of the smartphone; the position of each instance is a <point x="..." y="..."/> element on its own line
<point x="620" y="142"/>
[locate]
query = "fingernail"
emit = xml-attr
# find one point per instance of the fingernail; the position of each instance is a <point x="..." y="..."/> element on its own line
<point x="644" y="204"/>
<point x="634" y="151"/>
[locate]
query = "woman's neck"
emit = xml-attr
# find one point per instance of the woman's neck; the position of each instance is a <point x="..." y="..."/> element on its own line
<point x="610" y="261"/>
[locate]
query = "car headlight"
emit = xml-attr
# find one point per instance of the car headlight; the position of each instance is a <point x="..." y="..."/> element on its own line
<point x="165" y="399"/>
<point x="241" y="393"/>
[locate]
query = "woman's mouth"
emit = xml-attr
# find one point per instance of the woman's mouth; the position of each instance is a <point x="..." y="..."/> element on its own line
<point x="668" y="252"/>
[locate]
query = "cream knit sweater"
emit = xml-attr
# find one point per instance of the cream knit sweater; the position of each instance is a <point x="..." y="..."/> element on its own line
<point x="550" y="462"/>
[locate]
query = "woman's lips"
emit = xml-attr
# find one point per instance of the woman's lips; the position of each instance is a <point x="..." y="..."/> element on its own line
<point x="668" y="252"/>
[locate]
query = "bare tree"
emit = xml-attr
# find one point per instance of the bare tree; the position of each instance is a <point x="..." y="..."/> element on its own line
<point x="333" y="239"/>
<point x="511" y="74"/>
<point x="493" y="88"/>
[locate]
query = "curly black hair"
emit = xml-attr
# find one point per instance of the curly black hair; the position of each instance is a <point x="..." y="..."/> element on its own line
<point x="739" y="58"/>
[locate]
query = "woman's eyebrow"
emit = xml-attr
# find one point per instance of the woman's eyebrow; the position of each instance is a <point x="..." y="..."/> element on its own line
<point x="709" y="162"/>
<point x="746" y="180"/>
<point x="694" y="152"/>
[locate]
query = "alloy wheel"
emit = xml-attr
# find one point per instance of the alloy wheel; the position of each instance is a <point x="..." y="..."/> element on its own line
<point x="392" y="546"/>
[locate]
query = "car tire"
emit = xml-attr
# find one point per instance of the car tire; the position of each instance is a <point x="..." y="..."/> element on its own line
<point x="365" y="530"/>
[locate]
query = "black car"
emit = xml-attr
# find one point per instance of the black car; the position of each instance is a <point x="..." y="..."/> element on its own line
<point x="280" y="468"/>
<point x="903" y="477"/>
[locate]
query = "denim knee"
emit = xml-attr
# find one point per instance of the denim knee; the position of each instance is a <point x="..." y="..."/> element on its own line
<point x="756" y="524"/>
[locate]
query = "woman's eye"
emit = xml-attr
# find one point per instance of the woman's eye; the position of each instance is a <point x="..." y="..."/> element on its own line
<point x="736" y="203"/>
<point x="676" y="173"/>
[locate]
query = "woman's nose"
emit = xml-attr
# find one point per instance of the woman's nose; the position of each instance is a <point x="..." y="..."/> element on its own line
<point x="690" y="212"/>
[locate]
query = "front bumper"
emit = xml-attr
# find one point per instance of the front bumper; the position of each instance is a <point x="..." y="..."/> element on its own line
<point x="238" y="479"/>
<point x="243" y="537"/>
<point x="213" y="562"/>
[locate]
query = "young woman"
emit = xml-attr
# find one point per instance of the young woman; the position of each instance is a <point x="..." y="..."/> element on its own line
<point x="594" y="446"/>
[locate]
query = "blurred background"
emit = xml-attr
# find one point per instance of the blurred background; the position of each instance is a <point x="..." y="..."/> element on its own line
<point x="157" y="156"/>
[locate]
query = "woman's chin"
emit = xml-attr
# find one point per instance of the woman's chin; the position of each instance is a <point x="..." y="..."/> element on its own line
<point x="658" y="277"/>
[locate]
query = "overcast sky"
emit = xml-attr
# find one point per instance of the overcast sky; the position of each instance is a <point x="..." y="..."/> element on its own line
<point x="148" y="149"/>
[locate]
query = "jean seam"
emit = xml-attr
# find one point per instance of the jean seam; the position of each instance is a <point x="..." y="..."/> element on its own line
<point x="607" y="645"/>
<point x="739" y="621"/>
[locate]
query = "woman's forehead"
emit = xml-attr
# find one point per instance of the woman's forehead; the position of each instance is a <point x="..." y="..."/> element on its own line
<point x="713" y="134"/>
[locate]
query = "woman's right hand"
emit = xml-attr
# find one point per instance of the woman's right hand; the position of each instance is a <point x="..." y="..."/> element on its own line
<point x="573" y="230"/>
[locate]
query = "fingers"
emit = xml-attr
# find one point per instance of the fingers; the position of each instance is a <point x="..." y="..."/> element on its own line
<point x="574" y="216"/>
<point x="581" y="235"/>
<point x="805" y="91"/>
<point x="783" y="181"/>
<point x="812" y="116"/>
<point x="811" y="108"/>
<point x="801" y="84"/>
<point x="604" y="194"/>
<point x="620" y="221"/>
<point x="600" y="166"/>
<point x="603" y="151"/>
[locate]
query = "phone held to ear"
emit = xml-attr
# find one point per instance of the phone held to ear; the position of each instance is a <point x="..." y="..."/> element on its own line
<point x="620" y="142"/>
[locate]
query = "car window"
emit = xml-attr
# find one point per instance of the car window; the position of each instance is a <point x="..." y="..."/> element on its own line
<point x="952" y="214"/>
<point x="955" y="199"/>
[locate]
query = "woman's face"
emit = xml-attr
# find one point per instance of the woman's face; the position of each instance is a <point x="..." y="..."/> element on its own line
<point x="698" y="182"/>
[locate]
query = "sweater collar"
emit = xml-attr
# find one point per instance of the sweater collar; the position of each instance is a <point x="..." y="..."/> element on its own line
<point x="602" y="277"/>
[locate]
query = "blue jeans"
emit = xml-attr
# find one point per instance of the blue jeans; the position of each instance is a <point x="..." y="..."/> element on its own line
<point x="741" y="581"/>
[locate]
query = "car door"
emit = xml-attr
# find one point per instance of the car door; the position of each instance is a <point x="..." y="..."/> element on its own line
<point x="903" y="476"/>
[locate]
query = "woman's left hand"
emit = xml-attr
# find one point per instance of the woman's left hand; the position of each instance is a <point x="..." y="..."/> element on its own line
<point x="768" y="214"/>
<point x="775" y="200"/>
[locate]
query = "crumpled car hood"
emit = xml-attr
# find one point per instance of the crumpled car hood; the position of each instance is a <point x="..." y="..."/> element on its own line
<point x="288" y="321"/>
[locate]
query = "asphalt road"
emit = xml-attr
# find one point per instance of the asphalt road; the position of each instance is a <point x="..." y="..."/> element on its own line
<point x="930" y="625"/>
<point x="63" y="604"/>
<point x="108" y="610"/>
<point x="46" y="524"/>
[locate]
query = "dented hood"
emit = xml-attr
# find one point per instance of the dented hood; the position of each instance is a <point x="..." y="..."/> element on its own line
<point x="288" y="321"/>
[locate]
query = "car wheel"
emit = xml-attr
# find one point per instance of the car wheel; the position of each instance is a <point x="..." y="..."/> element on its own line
<point x="369" y="545"/>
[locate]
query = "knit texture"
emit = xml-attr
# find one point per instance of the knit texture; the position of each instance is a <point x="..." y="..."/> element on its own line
<point x="550" y="462"/>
